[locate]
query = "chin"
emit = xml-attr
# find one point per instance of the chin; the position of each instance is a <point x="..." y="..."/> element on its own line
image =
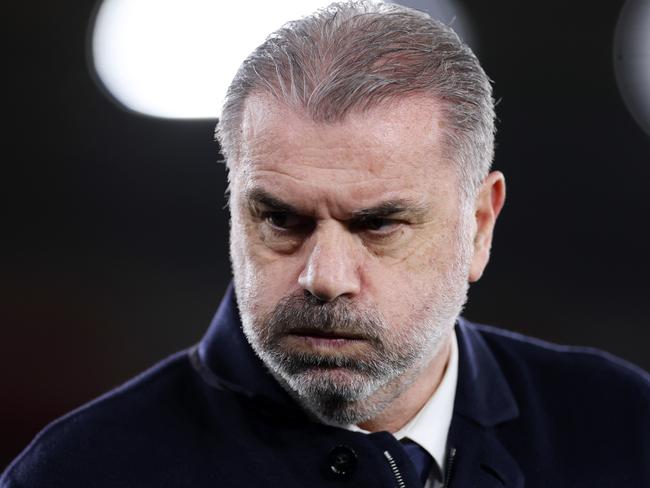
<point x="338" y="397"/>
<point x="343" y="398"/>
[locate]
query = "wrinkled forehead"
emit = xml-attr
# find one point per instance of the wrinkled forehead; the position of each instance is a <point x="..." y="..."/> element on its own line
<point x="411" y="129"/>
<point x="390" y="152"/>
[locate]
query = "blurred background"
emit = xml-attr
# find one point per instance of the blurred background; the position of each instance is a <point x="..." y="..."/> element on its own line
<point x="115" y="237"/>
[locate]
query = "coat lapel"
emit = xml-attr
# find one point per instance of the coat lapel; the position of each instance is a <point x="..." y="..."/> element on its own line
<point x="483" y="402"/>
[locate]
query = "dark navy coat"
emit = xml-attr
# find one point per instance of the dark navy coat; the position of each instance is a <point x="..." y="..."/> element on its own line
<point x="527" y="413"/>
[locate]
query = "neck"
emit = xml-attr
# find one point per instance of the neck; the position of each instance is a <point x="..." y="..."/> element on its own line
<point x="419" y="390"/>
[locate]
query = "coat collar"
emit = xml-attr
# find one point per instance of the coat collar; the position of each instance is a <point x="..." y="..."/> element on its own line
<point x="483" y="397"/>
<point x="483" y="394"/>
<point x="484" y="400"/>
<point x="225" y="359"/>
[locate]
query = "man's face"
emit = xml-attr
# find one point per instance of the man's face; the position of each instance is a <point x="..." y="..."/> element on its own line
<point x="350" y="250"/>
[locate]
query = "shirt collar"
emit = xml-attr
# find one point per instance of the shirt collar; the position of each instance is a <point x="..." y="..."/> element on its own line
<point x="430" y="426"/>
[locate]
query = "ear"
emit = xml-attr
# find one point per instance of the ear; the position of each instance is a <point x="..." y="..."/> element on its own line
<point x="489" y="203"/>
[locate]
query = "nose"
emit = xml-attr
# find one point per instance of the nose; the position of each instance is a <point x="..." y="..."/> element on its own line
<point x="332" y="266"/>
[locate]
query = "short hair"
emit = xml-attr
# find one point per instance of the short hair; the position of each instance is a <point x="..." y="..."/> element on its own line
<point x="352" y="56"/>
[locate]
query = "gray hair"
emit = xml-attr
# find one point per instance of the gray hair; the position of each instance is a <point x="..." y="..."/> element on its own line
<point x="356" y="55"/>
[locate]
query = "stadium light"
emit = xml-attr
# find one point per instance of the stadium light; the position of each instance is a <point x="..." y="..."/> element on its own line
<point x="175" y="58"/>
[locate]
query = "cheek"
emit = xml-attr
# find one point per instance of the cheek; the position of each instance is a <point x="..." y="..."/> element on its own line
<point x="403" y="288"/>
<point x="262" y="277"/>
<point x="427" y="255"/>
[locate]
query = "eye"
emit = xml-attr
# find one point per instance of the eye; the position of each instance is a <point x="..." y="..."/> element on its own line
<point x="378" y="225"/>
<point x="286" y="221"/>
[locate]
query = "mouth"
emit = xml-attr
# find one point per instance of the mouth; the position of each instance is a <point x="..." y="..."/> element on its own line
<point x="325" y="338"/>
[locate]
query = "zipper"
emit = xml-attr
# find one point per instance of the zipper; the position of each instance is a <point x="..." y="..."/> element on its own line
<point x="395" y="470"/>
<point x="450" y="465"/>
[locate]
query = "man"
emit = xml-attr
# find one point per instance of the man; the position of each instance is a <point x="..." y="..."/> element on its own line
<point x="358" y="142"/>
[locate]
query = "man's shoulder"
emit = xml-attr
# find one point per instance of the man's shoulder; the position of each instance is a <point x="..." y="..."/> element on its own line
<point x="535" y="365"/>
<point x="116" y="425"/>
<point x="582" y="413"/>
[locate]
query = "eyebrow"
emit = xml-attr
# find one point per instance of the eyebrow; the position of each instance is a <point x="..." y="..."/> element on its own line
<point x="389" y="208"/>
<point x="262" y="197"/>
<point x="384" y="209"/>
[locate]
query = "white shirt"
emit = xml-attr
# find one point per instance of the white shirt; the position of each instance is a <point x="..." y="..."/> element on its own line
<point x="430" y="426"/>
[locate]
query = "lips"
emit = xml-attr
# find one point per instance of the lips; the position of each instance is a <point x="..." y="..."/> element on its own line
<point x="323" y="340"/>
<point x="327" y="334"/>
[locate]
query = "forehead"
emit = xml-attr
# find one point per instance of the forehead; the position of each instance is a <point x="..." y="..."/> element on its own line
<point x="393" y="150"/>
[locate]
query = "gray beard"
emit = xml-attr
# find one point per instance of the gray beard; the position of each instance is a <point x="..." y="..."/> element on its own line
<point x="347" y="389"/>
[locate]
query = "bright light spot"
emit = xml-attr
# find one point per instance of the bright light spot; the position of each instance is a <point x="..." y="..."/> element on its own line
<point x="175" y="58"/>
<point x="632" y="59"/>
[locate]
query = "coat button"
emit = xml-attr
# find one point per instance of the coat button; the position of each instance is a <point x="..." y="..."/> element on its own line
<point x="342" y="460"/>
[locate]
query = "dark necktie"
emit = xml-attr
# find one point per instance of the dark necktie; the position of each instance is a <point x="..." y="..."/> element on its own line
<point x="419" y="457"/>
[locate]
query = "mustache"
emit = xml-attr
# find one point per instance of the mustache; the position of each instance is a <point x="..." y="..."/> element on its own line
<point x="303" y="313"/>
